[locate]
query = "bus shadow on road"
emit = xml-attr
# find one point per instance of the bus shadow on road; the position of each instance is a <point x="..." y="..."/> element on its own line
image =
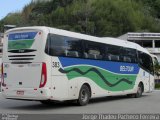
<point x="38" y="106"/>
<point x="66" y="104"/>
<point x="113" y="98"/>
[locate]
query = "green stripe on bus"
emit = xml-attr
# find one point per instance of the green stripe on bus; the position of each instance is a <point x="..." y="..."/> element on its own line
<point x="104" y="79"/>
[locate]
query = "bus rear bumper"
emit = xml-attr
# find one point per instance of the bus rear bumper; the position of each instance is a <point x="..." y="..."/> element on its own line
<point x="27" y="93"/>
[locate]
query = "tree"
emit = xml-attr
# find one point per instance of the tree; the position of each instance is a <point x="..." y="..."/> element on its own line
<point x="157" y="69"/>
<point x="94" y="17"/>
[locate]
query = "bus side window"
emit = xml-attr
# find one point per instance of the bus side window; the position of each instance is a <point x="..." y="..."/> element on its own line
<point x="112" y="53"/>
<point x="63" y="46"/>
<point x="93" y="50"/>
<point x="71" y="53"/>
<point x="114" y="57"/>
<point x="85" y="55"/>
<point x="127" y="59"/>
<point x="128" y="55"/>
<point x="47" y="47"/>
<point x="73" y="47"/>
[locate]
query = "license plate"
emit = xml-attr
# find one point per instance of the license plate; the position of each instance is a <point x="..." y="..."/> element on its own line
<point x="20" y="92"/>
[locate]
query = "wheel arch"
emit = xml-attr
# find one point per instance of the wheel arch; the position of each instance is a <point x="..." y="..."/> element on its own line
<point x="88" y="85"/>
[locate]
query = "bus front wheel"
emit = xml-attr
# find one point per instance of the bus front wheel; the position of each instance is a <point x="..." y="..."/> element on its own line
<point x="139" y="91"/>
<point x="84" y="96"/>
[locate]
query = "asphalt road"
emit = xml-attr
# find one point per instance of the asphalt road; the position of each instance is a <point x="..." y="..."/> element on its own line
<point x="148" y="103"/>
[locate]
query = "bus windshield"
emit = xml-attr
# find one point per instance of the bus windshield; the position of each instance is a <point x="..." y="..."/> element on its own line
<point x="18" y="41"/>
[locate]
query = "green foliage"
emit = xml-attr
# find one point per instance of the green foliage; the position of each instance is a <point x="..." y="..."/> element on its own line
<point x="94" y="17"/>
<point x="12" y="19"/>
<point x="157" y="86"/>
<point x="157" y="69"/>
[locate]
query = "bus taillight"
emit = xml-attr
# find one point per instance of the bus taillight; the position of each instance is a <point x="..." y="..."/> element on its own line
<point x="43" y="75"/>
<point x="2" y="76"/>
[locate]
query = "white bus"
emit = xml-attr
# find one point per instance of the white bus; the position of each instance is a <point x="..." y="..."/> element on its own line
<point x="47" y="64"/>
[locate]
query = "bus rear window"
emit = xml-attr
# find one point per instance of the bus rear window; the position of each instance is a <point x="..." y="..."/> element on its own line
<point x="18" y="41"/>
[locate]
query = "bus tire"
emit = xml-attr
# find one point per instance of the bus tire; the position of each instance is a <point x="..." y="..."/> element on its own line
<point x="139" y="91"/>
<point x="84" y="96"/>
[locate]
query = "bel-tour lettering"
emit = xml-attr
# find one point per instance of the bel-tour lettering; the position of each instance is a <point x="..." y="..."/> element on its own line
<point x="22" y="36"/>
<point x="127" y="68"/>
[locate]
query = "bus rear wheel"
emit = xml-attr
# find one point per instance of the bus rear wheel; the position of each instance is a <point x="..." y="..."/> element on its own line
<point x="84" y="96"/>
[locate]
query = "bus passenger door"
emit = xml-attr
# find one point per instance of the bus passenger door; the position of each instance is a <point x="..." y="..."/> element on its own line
<point x="152" y="84"/>
<point x="150" y="80"/>
<point x="146" y="78"/>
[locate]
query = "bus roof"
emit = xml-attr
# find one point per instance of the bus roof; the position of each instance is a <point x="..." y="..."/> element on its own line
<point x="107" y="40"/>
